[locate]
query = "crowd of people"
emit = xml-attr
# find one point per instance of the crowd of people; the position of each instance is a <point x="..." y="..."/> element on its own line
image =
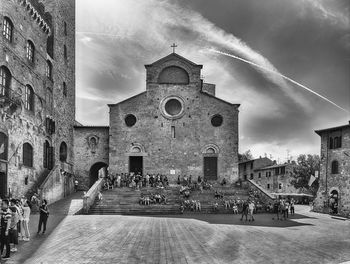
<point x="135" y="180"/>
<point x="14" y="226"/>
<point x="282" y="207"/>
<point x="153" y="198"/>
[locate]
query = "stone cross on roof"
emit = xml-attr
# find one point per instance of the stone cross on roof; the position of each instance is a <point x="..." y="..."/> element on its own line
<point x="173" y="46"/>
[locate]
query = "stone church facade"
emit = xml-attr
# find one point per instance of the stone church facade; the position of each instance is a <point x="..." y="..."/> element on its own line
<point x="176" y="127"/>
<point x="37" y="95"/>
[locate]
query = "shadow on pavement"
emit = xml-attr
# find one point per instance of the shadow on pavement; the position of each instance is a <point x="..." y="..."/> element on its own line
<point x="58" y="211"/>
<point x="231" y="219"/>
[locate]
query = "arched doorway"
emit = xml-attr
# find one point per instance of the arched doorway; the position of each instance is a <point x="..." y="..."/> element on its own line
<point x="95" y="170"/>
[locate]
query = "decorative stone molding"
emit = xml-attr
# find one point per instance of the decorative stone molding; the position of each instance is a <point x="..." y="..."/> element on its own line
<point x="210" y="149"/>
<point x="163" y="107"/>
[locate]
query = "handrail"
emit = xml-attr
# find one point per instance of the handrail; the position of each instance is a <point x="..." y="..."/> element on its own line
<point x="90" y="196"/>
<point x="48" y="176"/>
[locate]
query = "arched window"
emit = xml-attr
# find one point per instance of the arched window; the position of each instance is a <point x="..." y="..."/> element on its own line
<point x="65" y="52"/>
<point x="173" y="75"/>
<point x="29" y="98"/>
<point x="49" y="69"/>
<point x="63" y="151"/>
<point x="335" y="167"/>
<point x="7" y="29"/>
<point x="30" y="51"/>
<point x="64" y="89"/>
<point x="27" y="155"/>
<point x="3" y="146"/>
<point x="5" y="81"/>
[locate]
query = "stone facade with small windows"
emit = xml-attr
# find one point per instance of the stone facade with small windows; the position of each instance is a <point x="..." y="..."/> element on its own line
<point x="276" y="178"/>
<point x="176" y="127"/>
<point x="248" y="169"/>
<point x="334" y="179"/>
<point x="36" y="118"/>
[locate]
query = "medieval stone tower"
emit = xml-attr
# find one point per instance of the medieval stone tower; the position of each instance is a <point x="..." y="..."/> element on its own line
<point x="37" y="93"/>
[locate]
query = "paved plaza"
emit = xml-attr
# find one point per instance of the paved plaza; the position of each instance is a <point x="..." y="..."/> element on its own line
<point x="305" y="238"/>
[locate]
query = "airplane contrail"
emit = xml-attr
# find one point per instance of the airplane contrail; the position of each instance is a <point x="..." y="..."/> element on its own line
<point x="283" y="76"/>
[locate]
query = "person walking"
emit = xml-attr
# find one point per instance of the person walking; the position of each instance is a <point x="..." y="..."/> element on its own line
<point x="44" y="214"/>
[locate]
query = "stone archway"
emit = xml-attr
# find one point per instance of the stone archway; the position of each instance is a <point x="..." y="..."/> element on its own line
<point x="94" y="171"/>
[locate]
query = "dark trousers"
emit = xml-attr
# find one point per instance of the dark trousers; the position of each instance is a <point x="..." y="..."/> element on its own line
<point x="292" y="210"/>
<point x="5" y="241"/>
<point x="42" y="222"/>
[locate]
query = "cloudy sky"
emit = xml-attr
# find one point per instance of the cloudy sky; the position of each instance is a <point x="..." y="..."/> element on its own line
<point x="306" y="40"/>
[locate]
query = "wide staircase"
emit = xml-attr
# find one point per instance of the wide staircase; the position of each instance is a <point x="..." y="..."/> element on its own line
<point x="125" y="201"/>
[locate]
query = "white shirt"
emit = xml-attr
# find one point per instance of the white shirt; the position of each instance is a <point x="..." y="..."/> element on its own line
<point x="26" y="213"/>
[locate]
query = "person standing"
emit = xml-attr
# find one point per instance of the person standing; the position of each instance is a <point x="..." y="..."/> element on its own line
<point x="25" y="223"/>
<point x="5" y="228"/>
<point x="292" y="207"/>
<point x="251" y="207"/>
<point x="44" y="214"/>
<point x="244" y="210"/>
<point x="276" y="208"/>
<point x="76" y="183"/>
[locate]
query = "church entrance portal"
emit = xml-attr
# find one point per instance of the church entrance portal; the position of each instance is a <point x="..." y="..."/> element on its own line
<point x="95" y="170"/>
<point x="136" y="164"/>
<point x="211" y="168"/>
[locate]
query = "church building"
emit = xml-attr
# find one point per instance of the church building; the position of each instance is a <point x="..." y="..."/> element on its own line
<point x="175" y="127"/>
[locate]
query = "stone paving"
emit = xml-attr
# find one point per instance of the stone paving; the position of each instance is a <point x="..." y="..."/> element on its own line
<point x="306" y="238"/>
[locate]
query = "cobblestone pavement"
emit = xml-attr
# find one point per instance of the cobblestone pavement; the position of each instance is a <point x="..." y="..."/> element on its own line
<point x="306" y="238"/>
<point x="58" y="211"/>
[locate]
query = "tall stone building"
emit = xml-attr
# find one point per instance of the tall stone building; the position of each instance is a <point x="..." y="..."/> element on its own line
<point x="176" y="127"/>
<point x="37" y="95"/>
<point x="334" y="179"/>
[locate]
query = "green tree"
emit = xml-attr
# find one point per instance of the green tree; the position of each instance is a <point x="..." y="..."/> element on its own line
<point x="306" y="165"/>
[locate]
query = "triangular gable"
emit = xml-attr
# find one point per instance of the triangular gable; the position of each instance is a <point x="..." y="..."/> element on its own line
<point x="173" y="56"/>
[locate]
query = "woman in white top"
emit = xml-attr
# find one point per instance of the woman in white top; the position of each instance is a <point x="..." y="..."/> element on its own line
<point x="251" y="207"/>
<point x="25" y="222"/>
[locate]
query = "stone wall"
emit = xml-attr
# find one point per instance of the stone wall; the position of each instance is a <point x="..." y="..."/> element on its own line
<point x="339" y="182"/>
<point x="91" y="146"/>
<point x="23" y="125"/>
<point x="275" y="179"/>
<point x="194" y="132"/>
<point x="250" y="167"/>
